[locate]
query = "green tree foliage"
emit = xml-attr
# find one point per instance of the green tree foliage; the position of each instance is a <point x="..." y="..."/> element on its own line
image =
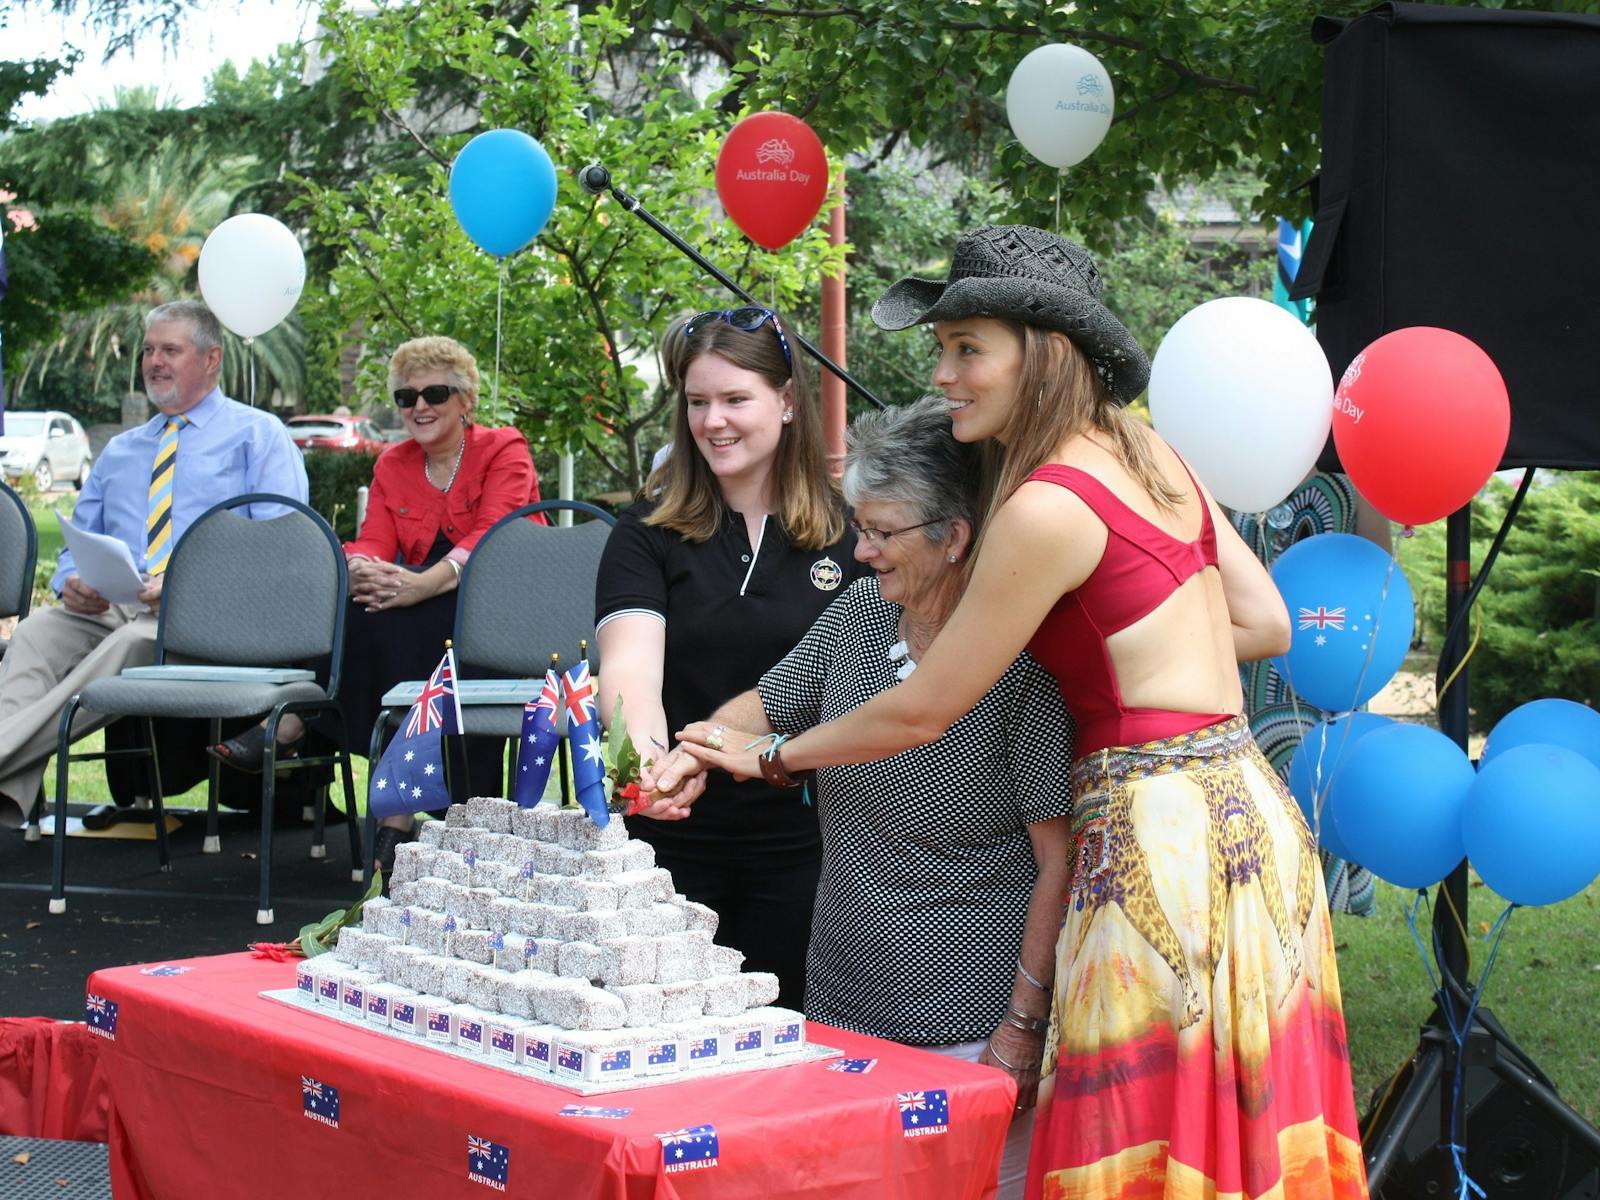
<point x="584" y="305"/>
<point x="1538" y="619"/>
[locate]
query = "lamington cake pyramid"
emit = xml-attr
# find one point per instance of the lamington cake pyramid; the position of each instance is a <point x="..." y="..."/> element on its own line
<point x="546" y="942"/>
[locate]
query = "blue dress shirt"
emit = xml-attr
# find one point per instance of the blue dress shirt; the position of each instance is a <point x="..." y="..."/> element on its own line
<point x="227" y="449"/>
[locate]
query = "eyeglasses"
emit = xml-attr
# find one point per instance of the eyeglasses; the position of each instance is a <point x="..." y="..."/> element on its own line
<point x="746" y="320"/>
<point x="877" y="537"/>
<point x="435" y="394"/>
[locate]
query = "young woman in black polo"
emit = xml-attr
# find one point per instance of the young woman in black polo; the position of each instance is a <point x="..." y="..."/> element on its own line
<point x="738" y="545"/>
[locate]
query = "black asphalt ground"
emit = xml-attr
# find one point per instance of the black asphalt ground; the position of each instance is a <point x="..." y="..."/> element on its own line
<point x="121" y="908"/>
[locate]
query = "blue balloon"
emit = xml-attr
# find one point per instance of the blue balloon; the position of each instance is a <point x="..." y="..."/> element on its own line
<point x="503" y="189"/>
<point x="1531" y="823"/>
<point x="1397" y="804"/>
<point x="1546" y="722"/>
<point x="1350" y="604"/>
<point x="1316" y="761"/>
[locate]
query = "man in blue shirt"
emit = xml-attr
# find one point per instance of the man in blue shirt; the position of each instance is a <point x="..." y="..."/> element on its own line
<point x="146" y="488"/>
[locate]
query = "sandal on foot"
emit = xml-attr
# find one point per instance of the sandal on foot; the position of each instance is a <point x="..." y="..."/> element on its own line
<point x="248" y="751"/>
<point x="383" y="847"/>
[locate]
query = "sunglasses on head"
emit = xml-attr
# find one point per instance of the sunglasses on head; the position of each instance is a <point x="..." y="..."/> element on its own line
<point x="435" y="394"/>
<point x="746" y="320"/>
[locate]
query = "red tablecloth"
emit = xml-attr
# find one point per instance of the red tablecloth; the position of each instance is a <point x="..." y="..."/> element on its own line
<point x="52" y="1083"/>
<point x="207" y="1100"/>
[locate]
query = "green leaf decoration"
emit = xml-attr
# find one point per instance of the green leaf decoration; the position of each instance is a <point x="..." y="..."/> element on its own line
<point x="321" y="936"/>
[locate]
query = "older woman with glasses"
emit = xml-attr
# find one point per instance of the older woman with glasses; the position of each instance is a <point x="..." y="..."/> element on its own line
<point x="944" y="868"/>
<point x="433" y="496"/>
<point x="736" y="546"/>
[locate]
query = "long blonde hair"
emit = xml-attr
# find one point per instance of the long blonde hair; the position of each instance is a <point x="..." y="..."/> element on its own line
<point x="1060" y="395"/>
<point x="806" y="496"/>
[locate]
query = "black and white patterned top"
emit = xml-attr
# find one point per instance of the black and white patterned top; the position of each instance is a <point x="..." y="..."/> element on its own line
<point x="927" y="867"/>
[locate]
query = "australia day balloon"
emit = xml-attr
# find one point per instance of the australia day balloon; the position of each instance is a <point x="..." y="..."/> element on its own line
<point x="1352" y="615"/>
<point x="1059" y="102"/>
<point x="503" y="189"/>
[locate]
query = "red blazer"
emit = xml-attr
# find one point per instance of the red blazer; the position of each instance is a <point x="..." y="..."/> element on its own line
<point x="406" y="513"/>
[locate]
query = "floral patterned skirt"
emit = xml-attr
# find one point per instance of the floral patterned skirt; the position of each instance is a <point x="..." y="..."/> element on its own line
<point x="1197" y="1045"/>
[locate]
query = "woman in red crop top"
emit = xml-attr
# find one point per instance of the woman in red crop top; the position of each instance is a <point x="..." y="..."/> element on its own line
<point x="1196" y="1043"/>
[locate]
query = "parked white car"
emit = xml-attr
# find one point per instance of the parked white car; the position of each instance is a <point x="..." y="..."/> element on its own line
<point x="50" y="446"/>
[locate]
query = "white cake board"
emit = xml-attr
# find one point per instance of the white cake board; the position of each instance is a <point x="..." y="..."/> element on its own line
<point x="811" y="1052"/>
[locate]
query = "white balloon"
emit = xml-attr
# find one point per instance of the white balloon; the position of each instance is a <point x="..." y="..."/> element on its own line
<point x="1059" y="103"/>
<point x="1241" y="389"/>
<point x="251" y="273"/>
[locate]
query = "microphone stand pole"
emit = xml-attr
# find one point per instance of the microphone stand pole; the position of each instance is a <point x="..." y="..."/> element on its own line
<point x="596" y="179"/>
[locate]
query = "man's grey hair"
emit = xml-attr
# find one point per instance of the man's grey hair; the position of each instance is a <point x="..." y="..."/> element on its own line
<point x="207" y="330"/>
<point x="907" y="455"/>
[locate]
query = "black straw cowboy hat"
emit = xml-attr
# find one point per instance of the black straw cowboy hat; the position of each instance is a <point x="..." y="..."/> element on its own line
<point x="1018" y="273"/>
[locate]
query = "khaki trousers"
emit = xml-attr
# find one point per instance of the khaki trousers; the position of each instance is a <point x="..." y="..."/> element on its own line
<point x="54" y="655"/>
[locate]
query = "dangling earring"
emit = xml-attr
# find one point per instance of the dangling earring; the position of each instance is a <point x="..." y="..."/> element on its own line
<point x="464" y="421"/>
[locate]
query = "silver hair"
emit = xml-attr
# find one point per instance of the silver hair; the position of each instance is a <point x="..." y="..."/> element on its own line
<point x="206" y="330"/>
<point x="907" y="455"/>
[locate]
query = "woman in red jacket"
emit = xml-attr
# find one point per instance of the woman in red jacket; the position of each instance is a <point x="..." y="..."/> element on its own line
<point x="433" y="496"/>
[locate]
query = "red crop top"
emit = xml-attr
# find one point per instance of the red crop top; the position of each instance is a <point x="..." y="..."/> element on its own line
<point x="1141" y="567"/>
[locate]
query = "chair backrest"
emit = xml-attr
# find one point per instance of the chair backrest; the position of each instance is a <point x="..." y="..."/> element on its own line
<point x="263" y="592"/>
<point x="527" y="592"/>
<point x="19" y="554"/>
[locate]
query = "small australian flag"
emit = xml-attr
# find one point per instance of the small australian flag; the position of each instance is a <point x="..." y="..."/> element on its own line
<point x="409" y="777"/>
<point x="487" y="1162"/>
<point x="537" y="750"/>
<point x="101" y="1016"/>
<point x="583" y="732"/>
<point x="923" y="1112"/>
<point x="853" y="1066"/>
<point x="684" y="1149"/>
<point x="319" y="1101"/>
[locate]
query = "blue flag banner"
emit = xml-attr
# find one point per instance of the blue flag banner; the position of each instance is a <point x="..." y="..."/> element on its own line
<point x="488" y="1162"/>
<point x="539" y="742"/>
<point x="583" y="731"/>
<point x="1291" y="246"/>
<point x="410" y="776"/>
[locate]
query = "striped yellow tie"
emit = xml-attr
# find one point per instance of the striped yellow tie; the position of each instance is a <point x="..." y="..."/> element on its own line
<point x="158" y="525"/>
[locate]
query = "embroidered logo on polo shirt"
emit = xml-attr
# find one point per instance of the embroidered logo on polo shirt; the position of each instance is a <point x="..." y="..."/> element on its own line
<point x="826" y="575"/>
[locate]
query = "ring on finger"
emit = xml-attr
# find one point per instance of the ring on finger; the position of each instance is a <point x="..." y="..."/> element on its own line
<point x="714" y="738"/>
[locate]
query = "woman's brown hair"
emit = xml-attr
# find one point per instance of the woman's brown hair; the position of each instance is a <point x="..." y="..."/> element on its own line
<point x="688" y="499"/>
<point x="1060" y="395"/>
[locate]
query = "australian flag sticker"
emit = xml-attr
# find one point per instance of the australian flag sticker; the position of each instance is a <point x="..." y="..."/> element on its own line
<point x="661" y="1054"/>
<point x="328" y="988"/>
<point x="319" y="1101"/>
<point x="487" y="1162"/>
<point x="100" y="1015"/>
<point x="593" y="1110"/>
<point x="852" y="1066"/>
<point x="705" y="1047"/>
<point x="616" y="1060"/>
<point x="165" y="970"/>
<point x="691" y="1149"/>
<point x="923" y="1114"/>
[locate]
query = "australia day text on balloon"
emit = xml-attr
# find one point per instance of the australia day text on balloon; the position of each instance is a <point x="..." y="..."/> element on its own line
<point x="776" y="151"/>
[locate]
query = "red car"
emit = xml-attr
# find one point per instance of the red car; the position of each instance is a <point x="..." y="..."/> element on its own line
<point x="351" y="434"/>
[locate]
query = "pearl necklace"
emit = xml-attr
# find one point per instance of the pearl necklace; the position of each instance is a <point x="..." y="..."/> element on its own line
<point x="427" y="469"/>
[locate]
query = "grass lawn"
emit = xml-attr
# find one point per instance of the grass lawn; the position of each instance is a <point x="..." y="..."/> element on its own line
<point x="1544" y="988"/>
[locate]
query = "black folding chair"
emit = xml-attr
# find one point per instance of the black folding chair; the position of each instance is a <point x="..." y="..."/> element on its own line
<point x="527" y="591"/>
<point x="245" y="602"/>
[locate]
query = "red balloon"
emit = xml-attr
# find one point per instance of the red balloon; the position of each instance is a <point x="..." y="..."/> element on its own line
<point x="772" y="177"/>
<point x="1420" y="420"/>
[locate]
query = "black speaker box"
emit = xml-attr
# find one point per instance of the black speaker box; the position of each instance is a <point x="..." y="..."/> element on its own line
<point x="1515" y="1148"/>
<point x="1460" y="164"/>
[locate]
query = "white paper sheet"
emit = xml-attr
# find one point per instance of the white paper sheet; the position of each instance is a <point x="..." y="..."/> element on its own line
<point x="104" y="563"/>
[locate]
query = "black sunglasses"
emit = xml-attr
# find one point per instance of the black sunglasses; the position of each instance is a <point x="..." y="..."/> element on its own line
<point x="746" y="320"/>
<point x="435" y="394"/>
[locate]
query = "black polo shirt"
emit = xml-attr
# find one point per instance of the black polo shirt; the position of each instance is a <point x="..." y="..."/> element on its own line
<point x="731" y="612"/>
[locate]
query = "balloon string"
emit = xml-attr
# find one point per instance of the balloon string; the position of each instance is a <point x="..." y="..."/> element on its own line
<point x="1059" y="175"/>
<point x="250" y="362"/>
<point x="499" y="308"/>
